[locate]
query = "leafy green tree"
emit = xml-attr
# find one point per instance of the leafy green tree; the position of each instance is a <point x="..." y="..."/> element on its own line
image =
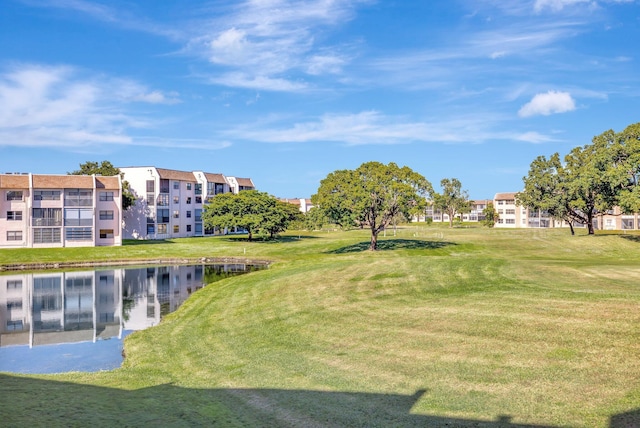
<point x="105" y="168"/>
<point x="490" y="214"/>
<point x="252" y="210"/>
<point x="453" y="200"/>
<point x="314" y="219"/>
<point x="573" y="191"/>
<point x="370" y="196"/>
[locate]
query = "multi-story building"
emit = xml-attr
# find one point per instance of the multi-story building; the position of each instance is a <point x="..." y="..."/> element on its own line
<point x="60" y="210"/>
<point x="169" y="203"/>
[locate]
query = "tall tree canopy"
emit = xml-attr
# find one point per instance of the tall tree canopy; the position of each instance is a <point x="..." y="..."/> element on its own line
<point x="453" y="200"/>
<point x="106" y="169"/>
<point x="371" y="195"/>
<point x="490" y="214"/>
<point x="252" y="210"/>
<point x="592" y="179"/>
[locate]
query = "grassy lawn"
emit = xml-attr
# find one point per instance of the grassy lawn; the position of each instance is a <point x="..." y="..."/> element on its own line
<point x="441" y="327"/>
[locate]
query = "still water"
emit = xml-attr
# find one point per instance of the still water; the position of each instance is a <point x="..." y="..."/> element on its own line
<point x="53" y="322"/>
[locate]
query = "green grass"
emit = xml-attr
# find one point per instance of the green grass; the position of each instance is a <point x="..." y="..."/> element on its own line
<point x="441" y="327"/>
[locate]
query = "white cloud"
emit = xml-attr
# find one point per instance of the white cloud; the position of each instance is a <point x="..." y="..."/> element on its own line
<point x="57" y="106"/>
<point x="269" y="41"/>
<point x="372" y="127"/>
<point x="557" y="5"/>
<point x="548" y="103"/>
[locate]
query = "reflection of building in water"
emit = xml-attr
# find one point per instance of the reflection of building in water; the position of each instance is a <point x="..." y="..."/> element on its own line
<point x="46" y="308"/>
<point x="65" y="307"/>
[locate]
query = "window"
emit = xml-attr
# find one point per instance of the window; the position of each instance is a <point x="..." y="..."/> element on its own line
<point x="80" y="197"/>
<point x="79" y="233"/>
<point x="219" y="188"/>
<point x="106" y="233"/>
<point x="164" y="186"/>
<point x="176" y="214"/>
<point x="14" y="195"/>
<point x="510" y="211"/>
<point x="46" y="235"/>
<point x="510" y="202"/>
<point x="188" y="214"/>
<point x="510" y="221"/>
<point x="46" y="195"/>
<point x="198" y="213"/>
<point x="188" y="228"/>
<point x="198" y="189"/>
<point x="189" y="200"/>
<point x="150" y="199"/>
<point x="163" y="200"/>
<point x="106" y="196"/>
<point x="198" y="199"/>
<point x="188" y="186"/>
<point x="151" y="186"/>
<point x="106" y="215"/>
<point x="14" y="304"/>
<point x="176" y="199"/>
<point x="14" y="215"/>
<point x="151" y="228"/>
<point x="176" y="229"/>
<point x="162" y="228"/>
<point x="163" y="215"/>
<point x="14" y="284"/>
<point x="500" y="202"/>
<point x="14" y="325"/>
<point x="199" y="228"/>
<point x="46" y="217"/>
<point x="176" y="185"/>
<point x="14" y="235"/>
<point x="78" y="217"/>
<point x="500" y="221"/>
<point x="500" y="211"/>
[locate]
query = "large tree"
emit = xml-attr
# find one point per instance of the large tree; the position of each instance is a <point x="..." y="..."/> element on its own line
<point x="453" y="200"/>
<point x="107" y="169"/>
<point x="252" y="210"/>
<point x="371" y="196"/>
<point x="490" y="215"/>
<point x="592" y="179"/>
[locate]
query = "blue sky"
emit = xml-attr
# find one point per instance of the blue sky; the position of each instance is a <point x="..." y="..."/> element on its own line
<point x="286" y="92"/>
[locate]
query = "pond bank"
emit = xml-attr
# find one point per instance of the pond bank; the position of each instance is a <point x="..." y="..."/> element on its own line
<point x="130" y="262"/>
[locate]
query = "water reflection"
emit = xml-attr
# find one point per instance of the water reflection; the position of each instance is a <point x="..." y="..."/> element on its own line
<point x="63" y="308"/>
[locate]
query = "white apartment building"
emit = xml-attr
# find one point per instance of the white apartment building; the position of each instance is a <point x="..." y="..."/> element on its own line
<point x="169" y="203"/>
<point x="60" y="210"/>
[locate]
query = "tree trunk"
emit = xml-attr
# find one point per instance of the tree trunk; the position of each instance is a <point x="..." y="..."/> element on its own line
<point x="374" y="241"/>
<point x="573" y="232"/>
<point x="590" y="225"/>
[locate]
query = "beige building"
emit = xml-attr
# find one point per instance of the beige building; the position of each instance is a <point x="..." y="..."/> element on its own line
<point x="60" y="210"/>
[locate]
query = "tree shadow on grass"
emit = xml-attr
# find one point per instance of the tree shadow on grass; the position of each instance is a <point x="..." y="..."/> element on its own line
<point x="276" y="240"/>
<point x="394" y="244"/>
<point x="633" y="238"/>
<point x="39" y="402"/>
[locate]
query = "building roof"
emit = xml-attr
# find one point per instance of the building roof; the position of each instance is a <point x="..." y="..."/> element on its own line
<point x="245" y="182"/>
<point x="109" y="183"/>
<point x="14" y="181"/>
<point x="507" y="195"/>
<point x="215" y="178"/>
<point x="62" y="181"/>
<point x="172" y="174"/>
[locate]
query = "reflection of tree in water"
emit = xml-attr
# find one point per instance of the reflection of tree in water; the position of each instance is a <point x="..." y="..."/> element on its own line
<point x="128" y="303"/>
<point x="213" y="273"/>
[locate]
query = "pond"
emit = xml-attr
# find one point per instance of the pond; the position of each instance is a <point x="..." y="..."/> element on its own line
<point x="54" y="322"/>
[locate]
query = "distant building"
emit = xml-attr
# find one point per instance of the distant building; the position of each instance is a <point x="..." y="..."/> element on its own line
<point x="60" y="210"/>
<point x="304" y="205"/>
<point x="170" y="203"/>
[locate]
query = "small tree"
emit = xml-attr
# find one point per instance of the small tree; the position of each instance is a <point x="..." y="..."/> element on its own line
<point x="252" y="210"/>
<point x="371" y="195"/>
<point x="106" y="168"/>
<point x="453" y="200"/>
<point x="490" y="214"/>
